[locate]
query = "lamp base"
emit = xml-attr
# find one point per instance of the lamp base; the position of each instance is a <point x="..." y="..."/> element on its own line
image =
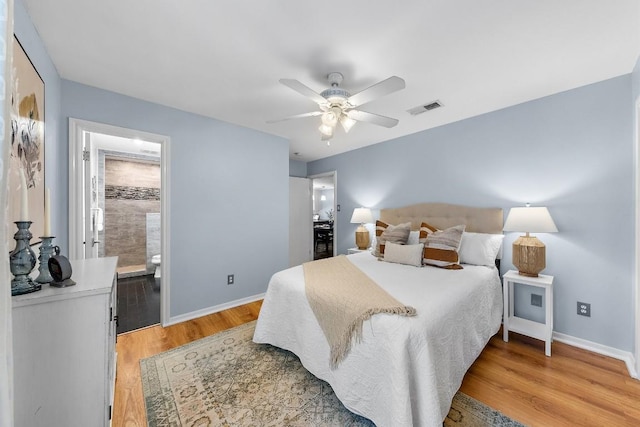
<point x="362" y="238"/>
<point x="529" y="255"/>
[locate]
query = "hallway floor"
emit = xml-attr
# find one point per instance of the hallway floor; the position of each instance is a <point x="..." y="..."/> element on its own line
<point x="138" y="303"/>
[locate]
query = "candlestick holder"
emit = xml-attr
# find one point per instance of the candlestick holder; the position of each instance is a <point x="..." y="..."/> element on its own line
<point x="46" y="251"/>
<point x="22" y="260"/>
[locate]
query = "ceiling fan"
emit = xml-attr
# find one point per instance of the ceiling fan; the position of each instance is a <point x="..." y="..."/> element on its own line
<point x="338" y="105"/>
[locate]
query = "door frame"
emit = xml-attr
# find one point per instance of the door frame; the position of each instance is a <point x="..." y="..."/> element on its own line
<point x="336" y="206"/>
<point x="77" y="128"/>
<point x="636" y="374"/>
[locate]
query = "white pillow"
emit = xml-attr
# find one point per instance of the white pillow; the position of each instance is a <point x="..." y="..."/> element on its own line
<point x="404" y="254"/>
<point x="480" y="248"/>
<point x="414" y="238"/>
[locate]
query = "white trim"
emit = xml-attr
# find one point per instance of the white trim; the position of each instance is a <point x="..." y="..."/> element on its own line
<point x="625" y="356"/>
<point x="215" y="309"/>
<point x="76" y="129"/>
<point x="636" y="149"/>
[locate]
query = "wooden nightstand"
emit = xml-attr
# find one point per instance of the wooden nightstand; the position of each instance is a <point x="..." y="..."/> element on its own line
<point x="355" y="250"/>
<point x="510" y="322"/>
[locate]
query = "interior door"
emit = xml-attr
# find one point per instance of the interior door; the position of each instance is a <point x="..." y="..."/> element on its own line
<point x="90" y="212"/>
<point x="300" y="221"/>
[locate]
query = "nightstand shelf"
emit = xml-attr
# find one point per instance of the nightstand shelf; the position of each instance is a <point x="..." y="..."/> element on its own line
<point x="510" y="322"/>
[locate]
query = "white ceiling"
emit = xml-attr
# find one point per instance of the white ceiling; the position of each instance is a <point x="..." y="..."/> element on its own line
<point x="223" y="59"/>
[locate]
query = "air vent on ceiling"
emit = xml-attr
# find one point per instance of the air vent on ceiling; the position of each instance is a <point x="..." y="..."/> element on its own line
<point x="154" y="152"/>
<point x="426" y="107"/>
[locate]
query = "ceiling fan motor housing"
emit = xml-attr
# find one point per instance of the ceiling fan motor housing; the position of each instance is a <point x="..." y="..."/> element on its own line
<point x="335" y="95"/>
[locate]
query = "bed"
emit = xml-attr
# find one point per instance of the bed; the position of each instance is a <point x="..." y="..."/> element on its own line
<point x="405" y="370"/>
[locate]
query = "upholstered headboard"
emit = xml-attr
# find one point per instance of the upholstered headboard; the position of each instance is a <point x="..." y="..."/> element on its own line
<point x="444" y="215"/>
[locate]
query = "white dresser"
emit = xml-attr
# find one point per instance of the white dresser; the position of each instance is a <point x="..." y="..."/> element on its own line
<point x="64" y="349"/>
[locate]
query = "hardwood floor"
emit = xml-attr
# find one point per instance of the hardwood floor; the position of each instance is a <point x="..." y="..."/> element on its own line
<point x="572" y="388"/>
<point x="128" y="407"/>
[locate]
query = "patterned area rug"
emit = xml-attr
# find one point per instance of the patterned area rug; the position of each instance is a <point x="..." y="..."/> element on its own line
<point x="227" y="380"/>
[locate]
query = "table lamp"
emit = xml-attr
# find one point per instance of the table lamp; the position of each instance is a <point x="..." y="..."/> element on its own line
<point x="362" y="216"/>
<point x="528" y="252"/>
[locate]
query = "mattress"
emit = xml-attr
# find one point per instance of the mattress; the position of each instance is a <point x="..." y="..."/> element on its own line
<point x="405" y="370"/>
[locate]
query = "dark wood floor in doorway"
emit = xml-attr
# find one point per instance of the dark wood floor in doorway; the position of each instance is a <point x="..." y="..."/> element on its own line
<point x="138" y="303"/>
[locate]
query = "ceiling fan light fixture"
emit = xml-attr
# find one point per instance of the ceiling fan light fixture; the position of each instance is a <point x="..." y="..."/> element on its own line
<point x="329" y="118"/>
<point x="346" y="122"/>
<point x="326" y="130"/>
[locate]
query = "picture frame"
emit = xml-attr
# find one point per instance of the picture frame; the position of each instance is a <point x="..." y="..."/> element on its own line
<point x="27" y="143"/>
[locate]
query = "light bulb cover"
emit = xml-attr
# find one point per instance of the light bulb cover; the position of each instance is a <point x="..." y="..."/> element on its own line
<point x="326" y="130"/>
<point x="347" y="122"/>
<point x="329" y="118"/>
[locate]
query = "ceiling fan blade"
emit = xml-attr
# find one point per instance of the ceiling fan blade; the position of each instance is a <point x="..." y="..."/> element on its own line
<point x="363" y="116"/>
<point x="297" y="116"/>
<point x="304" y="90"/>
<point x="378" y="90"/>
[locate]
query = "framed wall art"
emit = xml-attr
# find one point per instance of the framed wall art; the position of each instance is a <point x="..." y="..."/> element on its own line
<point x="27" y="144"/>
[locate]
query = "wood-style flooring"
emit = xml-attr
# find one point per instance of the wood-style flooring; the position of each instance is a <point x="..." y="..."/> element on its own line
<point x="574" y="387"/>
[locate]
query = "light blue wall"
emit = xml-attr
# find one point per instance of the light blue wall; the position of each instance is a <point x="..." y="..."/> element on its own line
<point x="297" y="168"/>
<point x="571" y="152"/>
<point x="220" y="175"/>
<point x="55" y="150"/>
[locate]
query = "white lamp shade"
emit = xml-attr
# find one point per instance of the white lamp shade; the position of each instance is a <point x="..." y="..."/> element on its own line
<point x="530" y="220"/>
<point x="361" y="216"/>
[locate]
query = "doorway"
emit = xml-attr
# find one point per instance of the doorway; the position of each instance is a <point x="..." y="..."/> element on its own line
<point x="118" y="207"/>
<point x="324" y="202"/>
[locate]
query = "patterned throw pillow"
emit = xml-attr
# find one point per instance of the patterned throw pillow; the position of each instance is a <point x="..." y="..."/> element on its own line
<point x="390" y="233"/>
<point x="441" y="246"/>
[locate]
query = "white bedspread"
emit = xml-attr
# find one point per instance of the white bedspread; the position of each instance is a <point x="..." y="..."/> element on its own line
<point x="406" y="370"/>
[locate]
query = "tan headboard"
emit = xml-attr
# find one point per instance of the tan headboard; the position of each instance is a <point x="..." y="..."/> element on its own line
<point x="444" y="215"/>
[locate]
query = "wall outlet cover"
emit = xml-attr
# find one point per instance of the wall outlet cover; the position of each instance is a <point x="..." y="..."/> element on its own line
<point x="536" y="300"/>
<point x="584" y="309"/>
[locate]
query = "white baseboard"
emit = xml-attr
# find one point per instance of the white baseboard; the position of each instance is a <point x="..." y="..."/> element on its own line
<point x="210" y="310"/>
<point x="625" y="356"/>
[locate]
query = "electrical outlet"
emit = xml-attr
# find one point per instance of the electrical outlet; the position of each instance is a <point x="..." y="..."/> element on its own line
<point x="536" y="300"/>
<point x="584" y="309"/>
<point x="230" y="279"/>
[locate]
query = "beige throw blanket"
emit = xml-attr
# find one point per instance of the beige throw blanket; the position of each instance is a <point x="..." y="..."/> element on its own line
<point x="342" y="297"/>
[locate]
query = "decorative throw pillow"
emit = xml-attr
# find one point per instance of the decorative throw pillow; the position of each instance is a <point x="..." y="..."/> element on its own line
<point x="414" y="238"/>
<point x="403" y="254"/>
<point x="441" y="246"/>
<point x="480" y="248"/>
<point x="390" y="233"/>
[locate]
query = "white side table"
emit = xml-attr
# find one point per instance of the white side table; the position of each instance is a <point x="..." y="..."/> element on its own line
<point x="355" y="250"/>
<point x="510" y="322"/>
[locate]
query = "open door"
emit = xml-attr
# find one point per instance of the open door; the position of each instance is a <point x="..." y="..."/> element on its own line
<point x="91" y="212"/>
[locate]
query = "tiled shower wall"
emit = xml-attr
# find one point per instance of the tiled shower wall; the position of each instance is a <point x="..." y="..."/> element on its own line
<point x="131" y="190"/>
